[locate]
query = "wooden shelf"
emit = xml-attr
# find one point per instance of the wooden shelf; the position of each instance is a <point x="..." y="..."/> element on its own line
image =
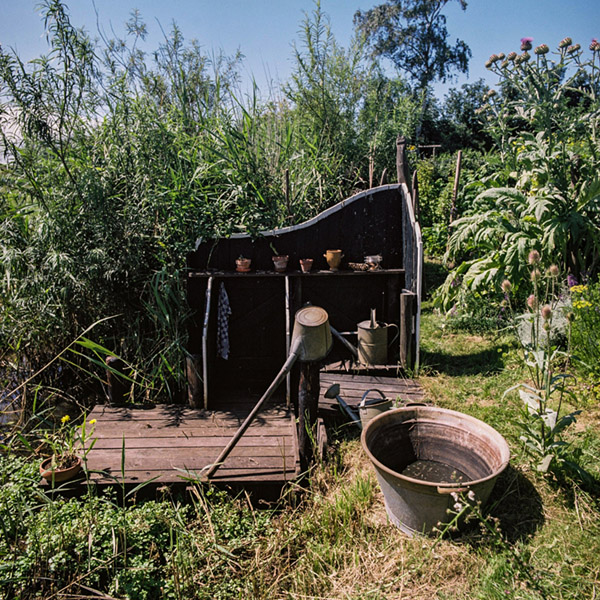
<point x="324" y="273"/>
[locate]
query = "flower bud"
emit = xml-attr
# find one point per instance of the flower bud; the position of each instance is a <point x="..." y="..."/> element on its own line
<point x="535" y="275"/>
<point x="553" y="271"/>
<point x="526" y="43"/>
<point x="506" y="286"/>
<point x="501" y="56"/>
<point x="532" y="302"/>
<point x="534" y="257"/>
<point x="542" y="49"/>
<point x="546" y="312"/>
<point x="504" y="64"/>
<point x="595" y="45"/>
<point x="524" y="57"/>
<point x="565" y="42"/>
<point x="546" y="326"/>
<point x="573" y="49"/>
<point x="570" y="316"/>
<point x="511" y="56"/>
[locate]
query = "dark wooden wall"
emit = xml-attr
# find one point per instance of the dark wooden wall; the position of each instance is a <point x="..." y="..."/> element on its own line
<point x="370" y="223"/>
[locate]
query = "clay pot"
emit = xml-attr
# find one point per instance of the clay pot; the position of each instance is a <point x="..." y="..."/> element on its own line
<point x="280" y="262"/>
<point x="242" y="265"/>
<point x="59" y="475"/>
<point x="334" y="258"/>
<point x="306" y="264"/>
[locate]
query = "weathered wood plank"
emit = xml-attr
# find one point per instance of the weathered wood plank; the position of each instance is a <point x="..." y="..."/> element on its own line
<point x="272" y="444"/>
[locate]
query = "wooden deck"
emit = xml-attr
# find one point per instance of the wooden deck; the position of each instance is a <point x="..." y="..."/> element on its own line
<point x="352" y="388"/>
<point x="170" y="444"/>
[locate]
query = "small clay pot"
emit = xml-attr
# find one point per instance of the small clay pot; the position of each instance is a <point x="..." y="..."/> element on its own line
<point x="306" y="264"/>
<point x="242" y="265"/>
<point x="280" y="262"/>
<point x="59" y="475"/>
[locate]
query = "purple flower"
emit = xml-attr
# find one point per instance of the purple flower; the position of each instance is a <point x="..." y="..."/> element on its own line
<point x="571" y="281"/>
<point x="526" y="43"/>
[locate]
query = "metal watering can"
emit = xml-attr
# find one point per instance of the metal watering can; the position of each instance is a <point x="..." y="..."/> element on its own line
<point x="373" y="340"/>
<point x="371" y="407"/>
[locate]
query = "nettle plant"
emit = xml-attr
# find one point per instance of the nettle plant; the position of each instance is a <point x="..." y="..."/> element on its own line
<point x="545" y="120"/>
<point x="542" y="421"/>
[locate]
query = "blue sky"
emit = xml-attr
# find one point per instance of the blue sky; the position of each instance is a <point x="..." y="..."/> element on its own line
<point x="264" y="30"/>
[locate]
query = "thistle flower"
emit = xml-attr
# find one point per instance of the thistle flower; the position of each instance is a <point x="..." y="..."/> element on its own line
<point x="511" y="56"/>
<point x="595" y="45"/>
<point x="553" y="271"/>
<point x="573" y="49"/>
<point x="526" y="43"/>
<point x="524" y="57"/>
<point x="546" y="312"/>
<point x="501" y="56"/>
<point x="565" y="42"/>
<point x="532" y="302"/>
<point x="504" y="64"/>
<point x="535" y="275"/>
<point x="542" y="49"/>
<point x="494" y="58"/>
<point x="534" y="257"/>
<point x="506" y="286"/>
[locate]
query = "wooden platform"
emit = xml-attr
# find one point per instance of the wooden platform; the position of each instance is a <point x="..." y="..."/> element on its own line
<point x="352" y="388"/>
<point x="170" y="444"/>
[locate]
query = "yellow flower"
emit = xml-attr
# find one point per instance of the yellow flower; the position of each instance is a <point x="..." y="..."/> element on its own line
<point x="582" y="304"/>
<point x="578" y="289"/>
<point x="65" y="419"/>
<point x="92" y="421"/>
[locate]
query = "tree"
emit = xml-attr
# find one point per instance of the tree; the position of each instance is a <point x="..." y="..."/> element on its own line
<point x="413" y="35"/>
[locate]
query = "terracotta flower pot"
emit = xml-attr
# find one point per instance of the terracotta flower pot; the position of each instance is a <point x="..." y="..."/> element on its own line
<point x="242" y="265"/>
<point x="59" y="475"/>
<point x="334" y="258"/>
<point x="280" y="263"/>
<point x="306" y="264"/>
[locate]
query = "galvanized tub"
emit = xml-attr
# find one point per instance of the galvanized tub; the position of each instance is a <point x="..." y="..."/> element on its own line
<point x="422" y="454"/>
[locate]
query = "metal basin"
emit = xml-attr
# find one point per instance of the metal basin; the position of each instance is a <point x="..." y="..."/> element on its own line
<point x="422" y="454"/>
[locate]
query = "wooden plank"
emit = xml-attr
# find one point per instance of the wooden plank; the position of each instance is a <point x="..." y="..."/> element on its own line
<point x="256" y="444"/>
<point x="119" y="414"/>
<point x="162" y="459"/>
<point x="264" y="476"/>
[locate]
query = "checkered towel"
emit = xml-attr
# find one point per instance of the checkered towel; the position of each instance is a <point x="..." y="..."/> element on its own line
<point x="223" y="314"/>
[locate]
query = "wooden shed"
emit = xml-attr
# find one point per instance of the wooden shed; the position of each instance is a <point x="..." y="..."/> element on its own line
<point x="262" y="302"/>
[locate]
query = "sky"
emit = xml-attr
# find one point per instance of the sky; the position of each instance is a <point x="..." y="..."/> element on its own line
<point x="265" y="30"/>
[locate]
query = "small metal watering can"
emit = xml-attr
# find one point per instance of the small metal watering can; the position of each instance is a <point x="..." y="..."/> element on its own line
<point x="373" y="340"/>
<point x="371" y="407"/>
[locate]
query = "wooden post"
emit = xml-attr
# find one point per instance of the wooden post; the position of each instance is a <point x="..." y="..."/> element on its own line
<point x="408" y="301"/>
<point x="117" y="388"/>
<point x="193" y="367"/>
<point x="401" y="162"/>
<point x="415" y="195"/>
<point x="455" y="190"/>
<point x="308" y="404"/>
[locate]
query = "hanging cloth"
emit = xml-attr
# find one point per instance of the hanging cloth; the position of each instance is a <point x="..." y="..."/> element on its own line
<point x="223" y="314"/>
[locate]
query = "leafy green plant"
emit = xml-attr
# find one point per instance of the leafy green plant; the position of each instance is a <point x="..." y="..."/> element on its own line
<point x="545" y="123"/>
<point x="542" y="423"/>
<point x="70" y="442"/>
<point x="585" y="332"/>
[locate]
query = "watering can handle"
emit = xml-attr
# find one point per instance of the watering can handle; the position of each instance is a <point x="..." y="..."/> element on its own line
<point x="362" y="402"/>
<point x="397" y="333"/>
